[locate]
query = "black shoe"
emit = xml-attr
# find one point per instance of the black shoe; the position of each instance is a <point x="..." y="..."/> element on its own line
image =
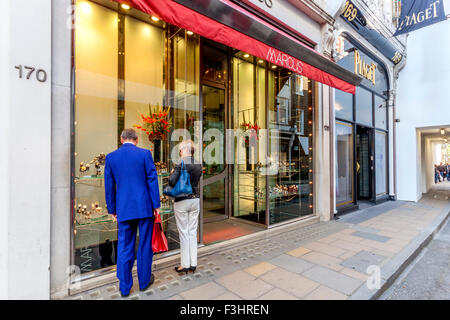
<point x="192" y="269"/>
<point x="124" y="295"/>
<point x="152" y="279"/>
<point x="185" y="270"/>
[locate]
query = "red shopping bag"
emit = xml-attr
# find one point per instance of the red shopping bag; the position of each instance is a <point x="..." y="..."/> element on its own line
<point x="159" y="240"/>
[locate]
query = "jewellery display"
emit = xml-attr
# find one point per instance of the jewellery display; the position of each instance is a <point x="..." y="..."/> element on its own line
<point x="161" y="167"/>
<point x="285" y="166"/>
<point x="85" y="215"/>
<point x="84" y="167"/>
<point x="283" y="190"/>
<point x="165" y="202"/>
<point x="98" y="161"/>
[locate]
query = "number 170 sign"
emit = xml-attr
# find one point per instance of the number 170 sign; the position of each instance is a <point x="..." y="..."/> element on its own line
<point x="27" y="72"/>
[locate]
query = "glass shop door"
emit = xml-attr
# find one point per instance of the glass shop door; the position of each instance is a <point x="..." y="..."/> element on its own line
<point x="364" y="162"/>
<point x="214" y="103"/>
<point x="215" y="170"/>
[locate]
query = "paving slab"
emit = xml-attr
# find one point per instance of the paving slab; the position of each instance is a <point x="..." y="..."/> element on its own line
<point x="334" y="280"/>
<point x="291" y="263"/>
<point x="325" y="293"/>
<point x="370" y="236"/>
<point x="290" y="282"/>
<point x="362" y="260"/>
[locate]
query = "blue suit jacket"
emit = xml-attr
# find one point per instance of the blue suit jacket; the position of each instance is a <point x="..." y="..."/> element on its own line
<point x="131" y="183"/>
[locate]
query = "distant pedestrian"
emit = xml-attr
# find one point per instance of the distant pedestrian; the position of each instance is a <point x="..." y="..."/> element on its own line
<point x="442" y="171"/>
<point x="436" y="174"/>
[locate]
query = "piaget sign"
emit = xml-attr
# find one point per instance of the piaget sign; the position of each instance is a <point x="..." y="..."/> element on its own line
<point x="418" y="14"/>
<point x="364" y="69"/>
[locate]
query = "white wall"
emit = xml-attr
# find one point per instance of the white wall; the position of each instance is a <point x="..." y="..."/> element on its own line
<point x="423" y="99"/>
<point x="25" y="125"/>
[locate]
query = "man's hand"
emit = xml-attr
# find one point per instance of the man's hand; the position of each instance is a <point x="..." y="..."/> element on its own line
<point x="114" y="215"/>
<point x="155" y="211"/>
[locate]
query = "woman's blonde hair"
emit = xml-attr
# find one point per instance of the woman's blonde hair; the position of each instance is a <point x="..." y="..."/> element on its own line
<point x="187" y="147"/>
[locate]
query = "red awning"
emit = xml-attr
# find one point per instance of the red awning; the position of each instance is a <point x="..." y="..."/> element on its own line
<point x="183" y="17"/>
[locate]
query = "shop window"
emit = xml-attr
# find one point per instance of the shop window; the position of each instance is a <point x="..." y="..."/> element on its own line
<point x="381" y="162"/>
<point x="249" y="107"/>
<point x="364" y="107"/>
<point x="344" y="163"/>
<point x="343" y="105"/>
<point x="290" y="180"/>
<point x="380" y="113"/>
<point x="121" y="79"/>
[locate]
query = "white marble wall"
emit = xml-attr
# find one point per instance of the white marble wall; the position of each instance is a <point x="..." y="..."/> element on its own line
<point x="25" y="129"/>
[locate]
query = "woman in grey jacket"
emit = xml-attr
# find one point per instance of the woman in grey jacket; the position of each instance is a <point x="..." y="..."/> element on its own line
<point x="187" y="208"/>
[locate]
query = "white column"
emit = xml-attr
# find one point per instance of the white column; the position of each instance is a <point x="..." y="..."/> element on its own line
<point x="25" y="149"/>
<point x="321" y="151"/>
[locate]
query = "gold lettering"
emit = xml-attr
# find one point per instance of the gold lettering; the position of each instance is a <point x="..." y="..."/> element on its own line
<point x="420" y="16"/>
<point x="364" y="69"/>
<point x="427" y="13"/>
<point x="413" y="18"/>
<point x="434" y="8"/>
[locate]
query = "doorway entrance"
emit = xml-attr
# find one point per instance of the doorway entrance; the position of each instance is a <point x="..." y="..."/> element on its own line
<point x="364" y="163"/>
<point x="216" y="91"/>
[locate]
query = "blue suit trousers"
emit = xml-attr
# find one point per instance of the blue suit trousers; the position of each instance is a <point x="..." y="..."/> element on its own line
<point x="126" y="252"/>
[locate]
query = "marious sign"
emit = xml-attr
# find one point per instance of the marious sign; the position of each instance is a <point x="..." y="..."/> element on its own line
<point x="417" y="14"/>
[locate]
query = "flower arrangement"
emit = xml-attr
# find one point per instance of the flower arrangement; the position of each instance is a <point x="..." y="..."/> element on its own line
<point x="254" y="131"/>
<point x="157" y="124"/>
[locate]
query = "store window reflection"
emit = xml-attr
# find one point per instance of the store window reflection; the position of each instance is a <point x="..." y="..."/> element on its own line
<point x="381" y="162"/>
<point x="343" y="105"/>
<point x="290" y="145"/>
<point x="344" y="163"/>
<point x="380" y="113"/>
<point x="249" y="84"/>
<point x="364" y="107"/>
<point x="122" y="81"/>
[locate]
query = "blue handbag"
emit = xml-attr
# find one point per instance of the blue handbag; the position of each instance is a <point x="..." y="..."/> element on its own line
<point x="183" y="185"/>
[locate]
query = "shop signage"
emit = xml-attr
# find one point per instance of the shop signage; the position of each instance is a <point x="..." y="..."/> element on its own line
<point x="27" y="72"/>
<point x="284" y="60"/>
<point x="364" y="69"/>
<point x="356" y="19"/>
<point x="419" y="14"/>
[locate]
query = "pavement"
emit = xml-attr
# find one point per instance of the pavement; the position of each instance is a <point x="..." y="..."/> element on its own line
<point x="428" y="276"/>
<point x="358" y="256"/>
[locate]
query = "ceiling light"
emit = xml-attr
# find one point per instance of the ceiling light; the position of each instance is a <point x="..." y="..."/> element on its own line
<point x="155" y="18"/>
<point x="246" y="55"/>
<point x="125" y="6"/>
<point x="260" y="61"/>
<point x="274" y="67"/>
<point x="190" y="33"/>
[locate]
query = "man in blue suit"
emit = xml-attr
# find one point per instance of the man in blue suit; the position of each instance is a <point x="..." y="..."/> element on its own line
<point x="132" y="197"/>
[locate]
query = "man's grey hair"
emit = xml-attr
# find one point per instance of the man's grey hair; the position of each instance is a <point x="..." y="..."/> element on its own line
<point x="129" y="134"/>
<point x="187" y="146"/>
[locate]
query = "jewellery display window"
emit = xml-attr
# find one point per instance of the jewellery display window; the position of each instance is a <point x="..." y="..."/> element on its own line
<point x="130" y="72"/>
